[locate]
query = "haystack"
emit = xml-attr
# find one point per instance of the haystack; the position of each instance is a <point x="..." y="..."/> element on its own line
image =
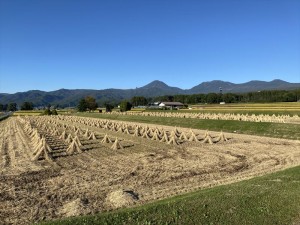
<point x="221" y="137"/>
<point x="159" y="133"/>
<point x="116" y="145"/>
<point x="183" y="137"/>
<point x="177" y="132"/>
<point x="77" y="132"/>
<point x="165" y="137"/>
<point x="121" y="198"/>
<point x="126" y="130"/>
<point x="146" y="135"/>
<point x="193" y="136"/>
<point x="173" y="141"/>
<point x="174" y="134"/>
<point x="42" y="151"/>
<point x="106" y="139"/>
<point x="77" y="141"/>
<point x="208" y="139"/>
<point x="74" y="147"/>
<point x="136" y="132"/>
<point x="36" y="139"/>
<point x="92" y="136"/>
<point x="155" y="137"/>
<point x="34" y="133"/>
<point x="69" y="138"/>
<point x="86" y="133"/>
<point x="206" y="134"/>
<point x="63" y="135"/>
<point x="55" y="132"/>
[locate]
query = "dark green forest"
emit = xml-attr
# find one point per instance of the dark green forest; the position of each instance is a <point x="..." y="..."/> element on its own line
<point x="250" y="97"/>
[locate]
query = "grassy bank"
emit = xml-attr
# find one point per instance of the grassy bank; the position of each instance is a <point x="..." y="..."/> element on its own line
<point x="271" y="199"/>
<point x="278" y="130"/>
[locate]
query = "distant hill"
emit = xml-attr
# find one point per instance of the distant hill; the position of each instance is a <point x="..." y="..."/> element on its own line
<point x="66" y="97"/>
<point x="255" y="85"/>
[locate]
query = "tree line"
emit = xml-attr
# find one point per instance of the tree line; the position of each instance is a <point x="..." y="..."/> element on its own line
<point x="89" y="103"/>
<point x="251" y="97"/>
<point x="213" y="98"/>
<point x="14" y="107"/>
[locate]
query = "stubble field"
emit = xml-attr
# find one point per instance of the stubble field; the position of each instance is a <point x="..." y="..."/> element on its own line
<point x="55" y="167"/>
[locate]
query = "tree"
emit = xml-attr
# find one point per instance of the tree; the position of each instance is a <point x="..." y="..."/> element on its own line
<point x="5" y="106"/>
<point x="91" y="103"/>
<point x="82" y="106"/>
<point x="27" y="106"/>
<point x="12" y="107"/>
<point x="170" y="98"/>
<point x="212" y="98"/>
<point x="108" y="107"/>
<point x="138" y="100"/>
<point x="1" y="107"/>
<point x="49" y="112"/>
<point x="125" y="106"/>
<point x="54" y="112"/>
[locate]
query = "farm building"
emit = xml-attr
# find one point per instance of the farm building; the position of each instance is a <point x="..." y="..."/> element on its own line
<point x="171" y="105"/>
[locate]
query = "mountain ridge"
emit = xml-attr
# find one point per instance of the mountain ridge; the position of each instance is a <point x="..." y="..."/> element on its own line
<point x="153" y="89"/>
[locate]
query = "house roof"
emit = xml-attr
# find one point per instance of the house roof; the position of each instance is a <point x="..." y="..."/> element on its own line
<point x="172" y="103"/>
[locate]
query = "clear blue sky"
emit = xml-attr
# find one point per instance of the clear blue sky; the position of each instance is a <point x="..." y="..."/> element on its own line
<point x="53" y="44"/>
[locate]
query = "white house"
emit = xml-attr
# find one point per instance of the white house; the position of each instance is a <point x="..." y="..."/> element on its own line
<point x="171" y="105"/>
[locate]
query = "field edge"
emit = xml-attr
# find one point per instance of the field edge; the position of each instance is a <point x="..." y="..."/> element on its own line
<point x="269" y="199"/>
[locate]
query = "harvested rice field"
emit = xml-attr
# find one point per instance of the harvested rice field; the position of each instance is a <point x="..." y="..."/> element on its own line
<point x="61" y="166"/>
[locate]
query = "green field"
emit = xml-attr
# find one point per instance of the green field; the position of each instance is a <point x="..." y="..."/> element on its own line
<point x="270" y="199"/>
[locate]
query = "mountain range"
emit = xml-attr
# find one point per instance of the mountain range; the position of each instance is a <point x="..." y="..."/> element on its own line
<point x="71" y="97"/>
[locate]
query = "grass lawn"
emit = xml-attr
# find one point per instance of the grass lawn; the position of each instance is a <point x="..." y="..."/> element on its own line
<point x="279" y="130"/>
<point x="270" y="199"/>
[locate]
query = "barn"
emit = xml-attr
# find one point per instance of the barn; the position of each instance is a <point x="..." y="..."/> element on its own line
<point x="172" y="105"/>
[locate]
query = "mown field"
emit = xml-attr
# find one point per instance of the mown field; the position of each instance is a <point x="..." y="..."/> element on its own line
<point x="36" y="112"/>
<point x="271" y="199"/>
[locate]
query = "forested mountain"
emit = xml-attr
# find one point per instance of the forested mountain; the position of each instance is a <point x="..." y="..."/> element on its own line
<point x="66" y="97"/>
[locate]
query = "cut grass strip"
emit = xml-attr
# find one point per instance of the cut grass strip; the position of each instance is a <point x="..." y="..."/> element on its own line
<point x="270" y="199"/>
<point x="278" y="130"/>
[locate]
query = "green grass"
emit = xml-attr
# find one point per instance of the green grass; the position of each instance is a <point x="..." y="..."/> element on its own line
<point x="270" y="199"/>
<point x="279" y="130"/>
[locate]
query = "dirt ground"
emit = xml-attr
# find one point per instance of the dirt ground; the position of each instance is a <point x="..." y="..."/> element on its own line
<point x="101" y="179"/>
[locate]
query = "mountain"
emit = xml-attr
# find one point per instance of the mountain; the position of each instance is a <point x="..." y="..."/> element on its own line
<point x="212" y="86"/>
<point x="255" y="85"/>
<point x="67" y="97"/>
<point x="157" y="88"/>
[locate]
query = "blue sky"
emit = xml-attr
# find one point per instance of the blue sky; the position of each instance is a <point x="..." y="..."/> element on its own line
<point x="95" y="44"/>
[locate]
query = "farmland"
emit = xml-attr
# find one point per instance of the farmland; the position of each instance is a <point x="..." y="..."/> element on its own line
<point x="59" y="166"/>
